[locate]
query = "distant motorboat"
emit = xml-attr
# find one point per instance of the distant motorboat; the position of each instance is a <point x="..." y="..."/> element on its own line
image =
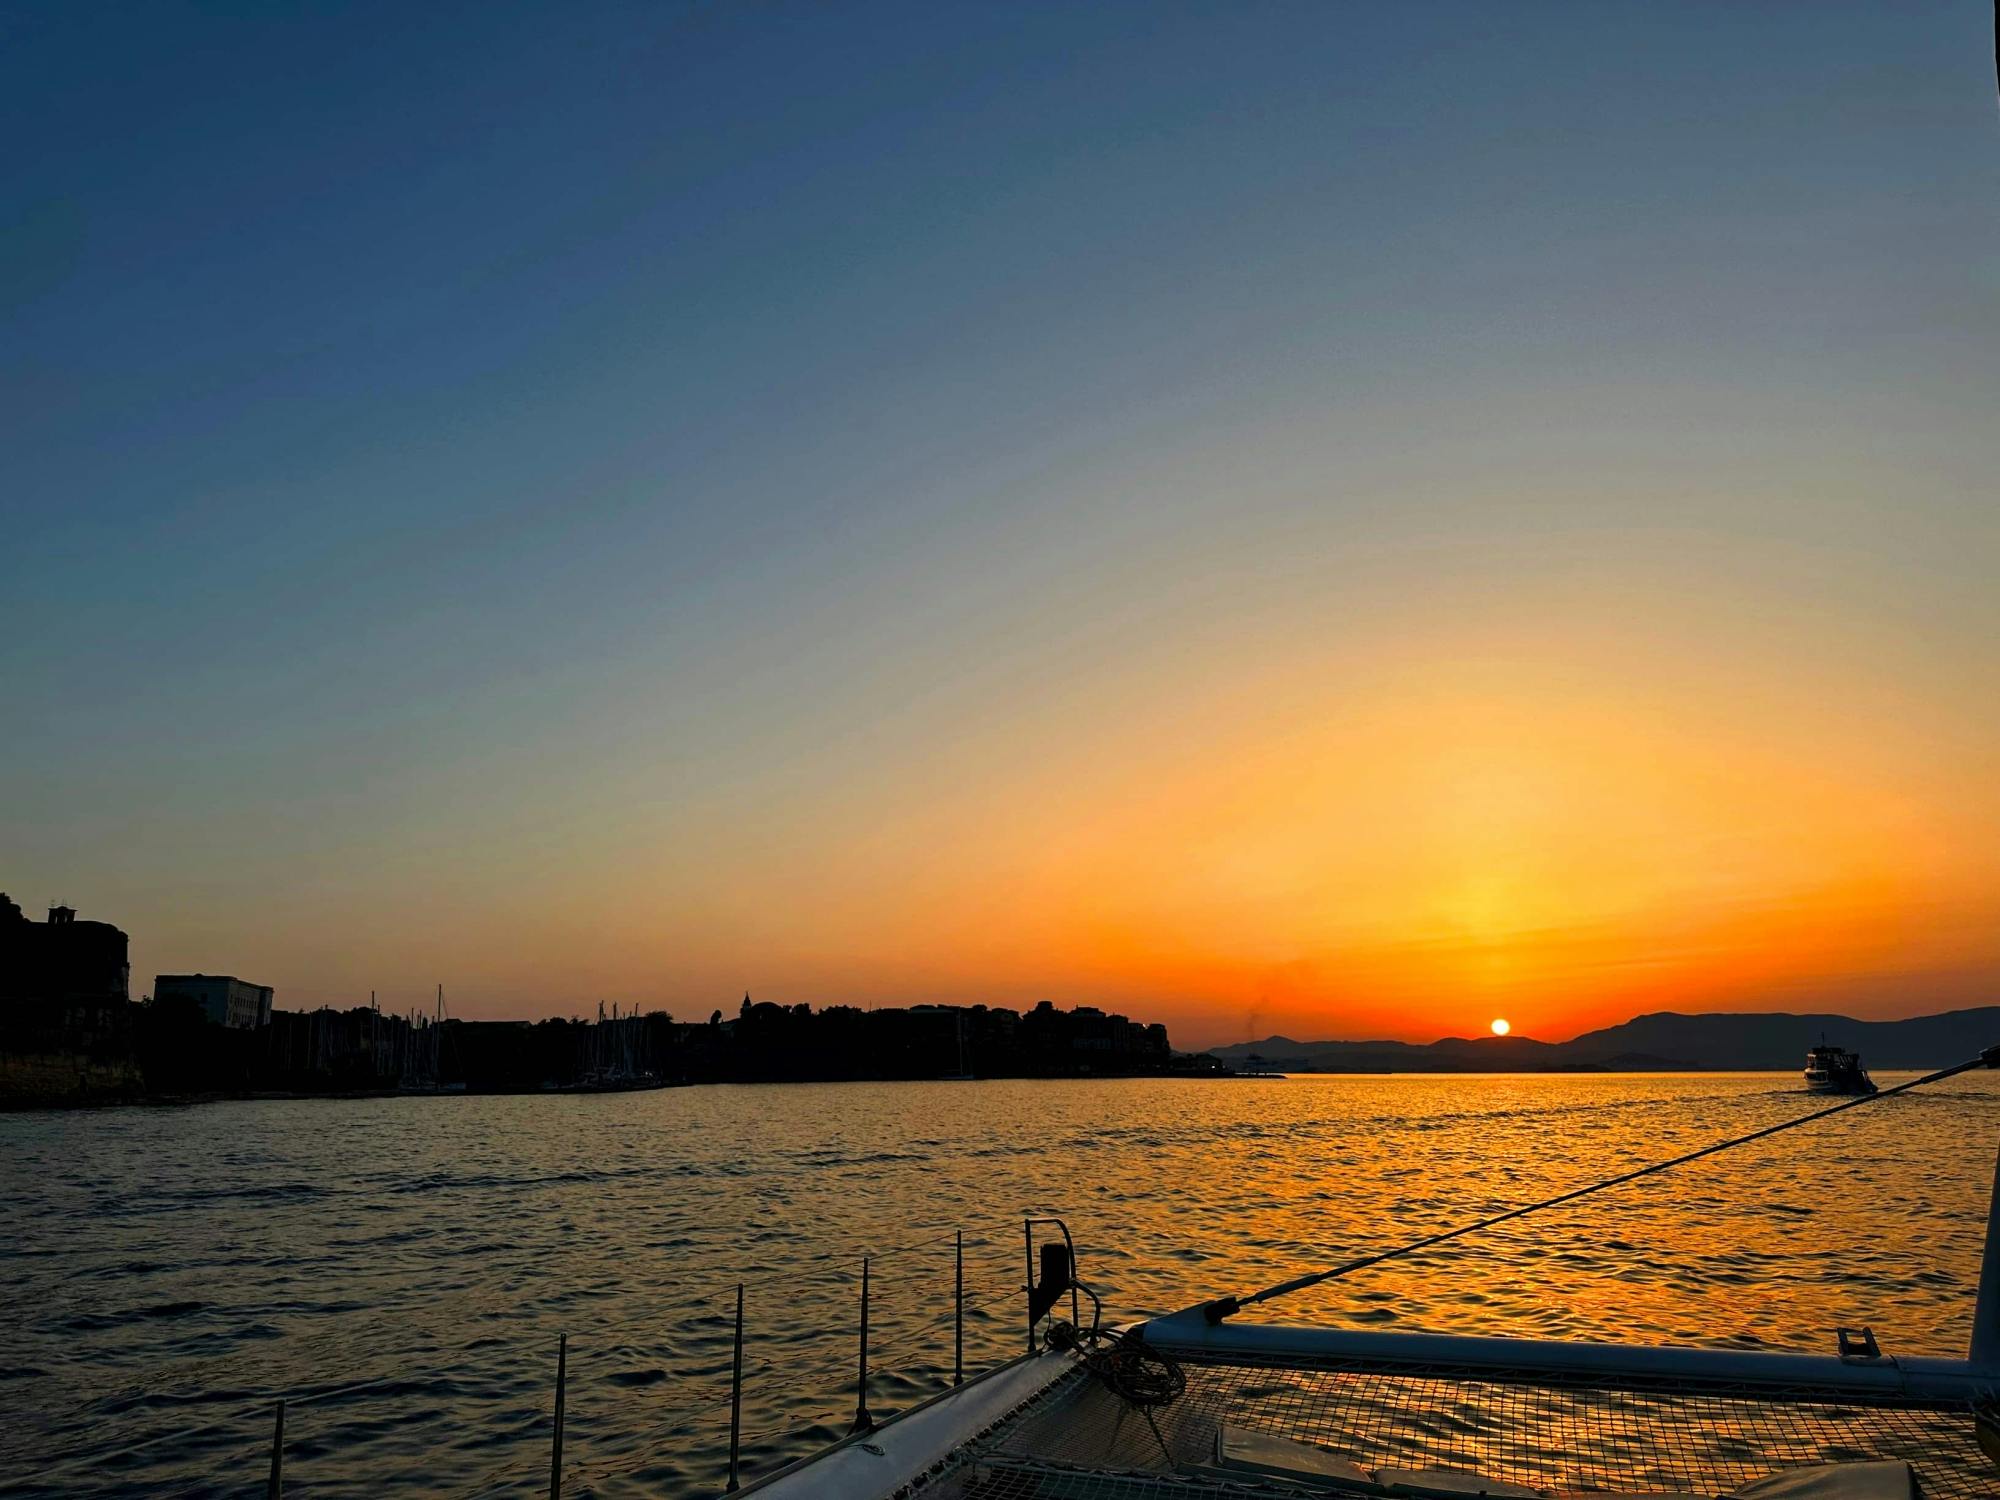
<point x="1836" y="1070"/>
<point x="1253" y="1067"/>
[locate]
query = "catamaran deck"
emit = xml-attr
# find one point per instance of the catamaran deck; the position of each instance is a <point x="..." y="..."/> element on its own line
<point x="1081" y="1442"/>
<point x="1047" y="1428"/>
<point x="1205" y="1403"/>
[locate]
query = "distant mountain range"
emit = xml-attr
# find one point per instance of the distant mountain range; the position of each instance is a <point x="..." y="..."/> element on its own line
<point x="1661" y="1041"/>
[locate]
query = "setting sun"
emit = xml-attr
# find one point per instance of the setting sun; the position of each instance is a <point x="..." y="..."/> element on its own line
<point x="1500" y="1026"/>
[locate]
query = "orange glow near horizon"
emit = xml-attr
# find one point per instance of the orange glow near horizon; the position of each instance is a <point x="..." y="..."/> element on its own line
<point x="1402" y="852"/>
<point x="1399" y="837"/>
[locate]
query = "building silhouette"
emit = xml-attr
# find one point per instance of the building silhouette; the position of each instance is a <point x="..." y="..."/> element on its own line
<point x="65" y="1012"/>
<point x="61" y="961"/>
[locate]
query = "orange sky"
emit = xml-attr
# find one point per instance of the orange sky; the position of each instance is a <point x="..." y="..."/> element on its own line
<point x="1395" y="807"/>
<point x="1403" y="834"/>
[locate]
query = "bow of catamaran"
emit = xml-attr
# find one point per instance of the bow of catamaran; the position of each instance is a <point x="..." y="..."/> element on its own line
<point x="1199" y="1403"/>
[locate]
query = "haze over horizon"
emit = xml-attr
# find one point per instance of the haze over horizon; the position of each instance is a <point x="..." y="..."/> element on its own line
<point x="1331" y="521"/>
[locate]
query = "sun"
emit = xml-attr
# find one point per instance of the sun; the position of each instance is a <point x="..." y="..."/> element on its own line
<point x="1500" y="1026"/>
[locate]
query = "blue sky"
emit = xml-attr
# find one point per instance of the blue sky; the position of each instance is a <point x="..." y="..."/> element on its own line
<point x="577" y="476"/>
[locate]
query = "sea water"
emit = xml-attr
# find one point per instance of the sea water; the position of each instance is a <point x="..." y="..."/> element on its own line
<point x="171" y="1271"/>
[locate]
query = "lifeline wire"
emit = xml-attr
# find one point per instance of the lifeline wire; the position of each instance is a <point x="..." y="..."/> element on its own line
<point x="1222" y="1307"/>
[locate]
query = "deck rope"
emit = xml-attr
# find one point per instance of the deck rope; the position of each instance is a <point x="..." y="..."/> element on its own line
<point x="1223" y="1307"/>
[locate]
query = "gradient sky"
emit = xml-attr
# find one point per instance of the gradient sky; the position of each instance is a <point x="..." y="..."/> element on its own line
<point x="1335" y="519"/>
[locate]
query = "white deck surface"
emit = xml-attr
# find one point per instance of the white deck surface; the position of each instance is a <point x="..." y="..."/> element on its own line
<point x="913" y="1443"/>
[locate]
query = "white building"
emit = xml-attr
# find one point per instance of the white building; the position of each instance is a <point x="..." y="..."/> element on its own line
<point x="228" y="1001"/>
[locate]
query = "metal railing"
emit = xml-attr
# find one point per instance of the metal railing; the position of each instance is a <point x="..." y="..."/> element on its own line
<point x="866" y="1367"/>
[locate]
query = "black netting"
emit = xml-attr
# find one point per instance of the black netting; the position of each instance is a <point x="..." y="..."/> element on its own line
<point x="1080" y="1442"/>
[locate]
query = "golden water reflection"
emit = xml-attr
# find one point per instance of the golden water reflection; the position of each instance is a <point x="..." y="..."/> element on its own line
<point x="173" y="1267"/>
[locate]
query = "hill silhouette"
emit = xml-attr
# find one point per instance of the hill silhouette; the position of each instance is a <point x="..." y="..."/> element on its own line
<point x="1661" y="1040"/>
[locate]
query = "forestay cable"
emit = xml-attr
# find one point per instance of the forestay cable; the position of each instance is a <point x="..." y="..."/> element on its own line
<point x="1223" y="1307"/>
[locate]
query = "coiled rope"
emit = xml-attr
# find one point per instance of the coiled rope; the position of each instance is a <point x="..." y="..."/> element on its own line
<point x="1130" y="1368"/>
<point x="1223" y="1307"/>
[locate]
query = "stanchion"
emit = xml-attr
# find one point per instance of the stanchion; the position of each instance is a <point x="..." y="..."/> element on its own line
<point x="862" y="1421"/>
<point x="276" y="1486"/>
<point x="555" y="1453"/>
<point x="736" y="1395"/>
<point x="1028" y="1244"/>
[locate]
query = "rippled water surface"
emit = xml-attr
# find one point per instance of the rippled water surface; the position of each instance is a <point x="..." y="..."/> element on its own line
<point x="169" y="1271"/>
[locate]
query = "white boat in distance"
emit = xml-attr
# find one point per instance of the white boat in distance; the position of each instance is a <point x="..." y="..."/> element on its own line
<point x="1197" y="1404"/>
